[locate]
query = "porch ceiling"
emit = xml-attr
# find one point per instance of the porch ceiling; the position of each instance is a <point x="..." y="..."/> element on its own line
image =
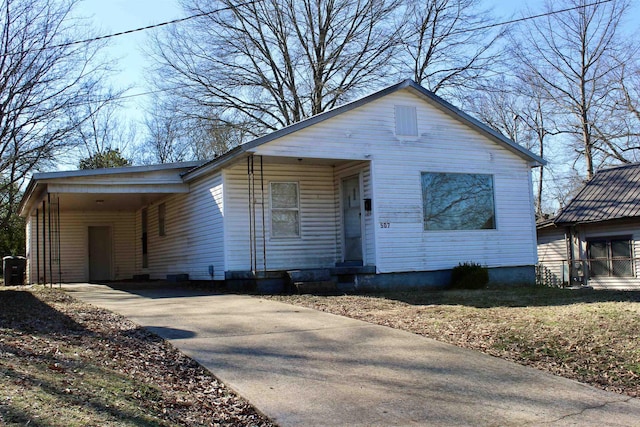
<point x="303" y="160"/>
<point x="106" y="201"/>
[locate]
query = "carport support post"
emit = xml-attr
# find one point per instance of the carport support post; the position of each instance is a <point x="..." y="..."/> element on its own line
<point x="37" y="249"/>
<point x="59" y="256"/>
<point x="44" y="242"/>
<point x="50" y="247"/>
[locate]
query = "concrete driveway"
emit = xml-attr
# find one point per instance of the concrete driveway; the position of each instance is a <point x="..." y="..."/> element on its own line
<point x="302" y="367"/>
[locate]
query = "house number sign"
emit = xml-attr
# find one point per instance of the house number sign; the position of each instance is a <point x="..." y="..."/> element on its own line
<point x="385" y="225"/>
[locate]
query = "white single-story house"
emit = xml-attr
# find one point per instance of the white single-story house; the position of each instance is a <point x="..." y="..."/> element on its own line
<point x="393" y="189"/>
<point x="595" y="239"/>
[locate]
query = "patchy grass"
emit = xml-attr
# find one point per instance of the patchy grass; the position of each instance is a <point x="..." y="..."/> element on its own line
<point x="590" y="336"/>
<point x="65" y="363"/>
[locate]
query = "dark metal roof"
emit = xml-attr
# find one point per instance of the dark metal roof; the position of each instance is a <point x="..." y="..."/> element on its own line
<point x="611" y="194"/>
<point x="406" y="84"/>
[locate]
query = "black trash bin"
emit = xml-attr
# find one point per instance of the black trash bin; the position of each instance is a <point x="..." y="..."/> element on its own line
<point x="14" y="268"/>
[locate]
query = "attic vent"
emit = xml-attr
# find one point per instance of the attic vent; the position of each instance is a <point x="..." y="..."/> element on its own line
<point x="406" y="120"/>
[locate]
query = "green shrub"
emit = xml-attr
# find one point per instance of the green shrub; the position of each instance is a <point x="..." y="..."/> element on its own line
<point x="469" y="275"/>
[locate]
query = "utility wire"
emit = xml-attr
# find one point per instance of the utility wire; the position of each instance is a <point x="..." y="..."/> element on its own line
<point x="528" y="18"/>
<point x="198" y="15"/>
<point x="135" y="30"/>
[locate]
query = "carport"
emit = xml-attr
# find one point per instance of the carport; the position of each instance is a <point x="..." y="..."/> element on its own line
<point x="84" y="225"/>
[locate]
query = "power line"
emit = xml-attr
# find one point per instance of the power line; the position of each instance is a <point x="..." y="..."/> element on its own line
<point x="135" y="30"/>
<point x="199" y="15"/>
<point x="528" y="18"/>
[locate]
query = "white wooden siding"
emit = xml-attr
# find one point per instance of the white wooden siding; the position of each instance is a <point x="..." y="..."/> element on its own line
<point x="443" y="145"/>
<point x="193" y="238"/>
<point x="552" y="246"/>
<point x="552" y="256"/>
<point x="316" y="246"/>
<point x="74" y="241"/>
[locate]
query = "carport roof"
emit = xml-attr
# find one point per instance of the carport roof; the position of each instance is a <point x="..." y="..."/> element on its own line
<point x="130" y="185"/>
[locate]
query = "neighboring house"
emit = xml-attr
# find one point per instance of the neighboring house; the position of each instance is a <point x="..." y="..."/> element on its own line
<point x="393" y="189"/>
<point x="595" y="239"/>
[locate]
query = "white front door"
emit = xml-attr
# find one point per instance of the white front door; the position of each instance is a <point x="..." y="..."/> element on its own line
<point x="352" y="219"/>
<point x="99" y="253"/>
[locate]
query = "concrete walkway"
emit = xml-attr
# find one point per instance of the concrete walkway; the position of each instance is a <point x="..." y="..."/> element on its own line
<point x="302" y="367"/>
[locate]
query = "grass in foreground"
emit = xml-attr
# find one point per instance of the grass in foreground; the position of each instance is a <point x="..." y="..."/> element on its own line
<point x="66" y="363"/>
<point x="590" y="336"/>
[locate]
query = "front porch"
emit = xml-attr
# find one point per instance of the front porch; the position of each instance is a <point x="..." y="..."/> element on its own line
<point x="339" y="279"/>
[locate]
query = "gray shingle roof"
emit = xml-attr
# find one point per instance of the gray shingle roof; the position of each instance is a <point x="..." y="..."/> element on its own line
<point x="611" y="194"/>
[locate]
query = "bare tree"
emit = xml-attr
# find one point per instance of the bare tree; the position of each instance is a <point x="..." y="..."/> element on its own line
<point x="43" y="80"/>
<point x="570" y="56"/>
<point x="165" y="142"/>
<point x="517" y="108"/>
<point x="271" y="63"/>
<point x="446" y="43"/>
<point x="100" y="127"/>
<point x="620" y="128"/>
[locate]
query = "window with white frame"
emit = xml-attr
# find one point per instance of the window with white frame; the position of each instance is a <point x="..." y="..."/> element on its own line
<point x="458" y="201"/>
<point x="285" y="209"/>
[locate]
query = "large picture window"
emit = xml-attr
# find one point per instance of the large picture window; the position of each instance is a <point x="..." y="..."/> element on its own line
<point x="610" y="257"/>
<point x="285" y="209"/>
<point x="457" y="201"/>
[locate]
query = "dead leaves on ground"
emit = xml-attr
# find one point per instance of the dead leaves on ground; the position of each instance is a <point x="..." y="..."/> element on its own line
<point x="111" y="370"/>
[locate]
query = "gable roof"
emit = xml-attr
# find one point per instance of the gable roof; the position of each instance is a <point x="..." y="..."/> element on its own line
<point x="611" y="194"/>
<point x="425" y="94"/>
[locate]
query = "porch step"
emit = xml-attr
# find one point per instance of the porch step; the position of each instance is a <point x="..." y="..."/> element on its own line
<point x="315" y="281"/>
<point x="320" y="287"/>
<point x="339" y="270"/>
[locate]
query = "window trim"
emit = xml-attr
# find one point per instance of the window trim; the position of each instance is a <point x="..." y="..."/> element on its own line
<point x="297" y="209"/>
<point x="473" y="230"/>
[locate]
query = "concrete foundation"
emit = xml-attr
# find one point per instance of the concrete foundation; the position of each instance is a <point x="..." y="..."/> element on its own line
<point x="364" y="279"/>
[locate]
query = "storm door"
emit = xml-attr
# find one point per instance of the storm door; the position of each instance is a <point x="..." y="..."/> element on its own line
<point x="352" y="219"/>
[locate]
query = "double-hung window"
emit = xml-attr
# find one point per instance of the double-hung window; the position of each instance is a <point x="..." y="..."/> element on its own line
<point x="285" y="209"/>
<point x="458" y="201"/>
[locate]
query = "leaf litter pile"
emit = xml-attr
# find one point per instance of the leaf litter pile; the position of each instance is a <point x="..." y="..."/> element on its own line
<point x="589" y="336"/>
<point x="66" y="363"/>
